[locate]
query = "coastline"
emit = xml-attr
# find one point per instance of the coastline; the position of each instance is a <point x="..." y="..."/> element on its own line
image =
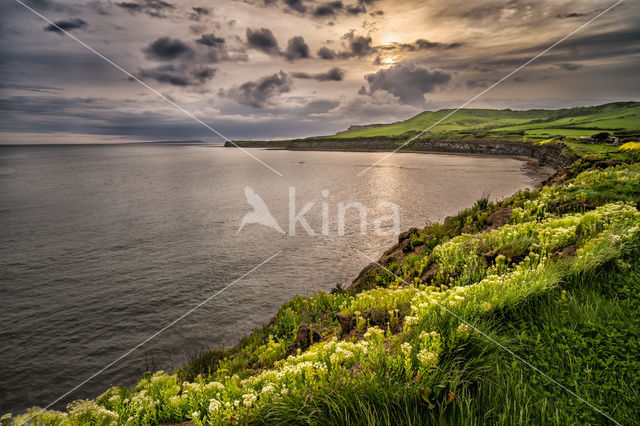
<point x="550" y="154"/>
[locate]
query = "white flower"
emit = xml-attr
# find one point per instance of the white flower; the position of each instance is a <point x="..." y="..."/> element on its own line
<point x="214" y="405"/>
<point x="463" y="331"/>
<point x="406" y="348"/>
<point x="214" y="386"/>
<point x="248" y="399"/>
<point x="427" y="358"/>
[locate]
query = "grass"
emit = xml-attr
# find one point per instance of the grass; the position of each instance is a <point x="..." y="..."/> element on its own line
<point x="620" y="117"/>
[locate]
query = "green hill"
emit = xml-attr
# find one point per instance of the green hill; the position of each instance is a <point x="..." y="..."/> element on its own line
<point x="618" y="118"/>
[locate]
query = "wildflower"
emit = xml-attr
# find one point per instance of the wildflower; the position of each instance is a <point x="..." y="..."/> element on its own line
<point x="374" y="334"/>
<point x="214" y="405"/>
<point x="214" y="386"/>
<point x="427" y="359"/>
<point x="175" y="401"/>
<point x="340" y="355"/>
<point x="248" y="399"/>
<point x="463" y="331"/>
<point x="406" y="348"/>
<point x="267" y="389"/>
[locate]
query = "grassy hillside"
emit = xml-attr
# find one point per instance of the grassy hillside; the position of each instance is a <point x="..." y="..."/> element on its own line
<point x="419" y="338"/>
<point x="619" y="118"/>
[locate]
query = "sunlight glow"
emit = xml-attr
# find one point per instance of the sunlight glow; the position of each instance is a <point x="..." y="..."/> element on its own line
<point x="390" y="60"/>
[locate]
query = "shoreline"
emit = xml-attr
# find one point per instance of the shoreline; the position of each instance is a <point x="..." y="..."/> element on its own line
<point x="550" y="154"/>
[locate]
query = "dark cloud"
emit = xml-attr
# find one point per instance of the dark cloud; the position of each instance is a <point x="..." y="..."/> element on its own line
<point x="326" y="53"/>
<point x="334" y="74"/>
<point x="177" y="76"/>
<point x="408" y="82"/>
<point x="153" y="8"/>
<point x="419" y="44"/>
<point x="357" y="46"/>
<point x="260" y="92"/>
<point x="210" y="40"/>
<point x="167" y="49"/>
<point x="199" y="12"/>
<point x="571" y="15"/>
<point x="296" y="49"/>
<point x="203" y="74"/>
<point x="296" y="5"/>
<point x="571" y="66"/>
<point x="68" y="25"/>
<point x="329" y="9"/>
<point x="356" y="9"/>
<point x="263" y="40"/>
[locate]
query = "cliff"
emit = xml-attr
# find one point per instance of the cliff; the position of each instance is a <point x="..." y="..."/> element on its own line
<point x="550" y="154"/>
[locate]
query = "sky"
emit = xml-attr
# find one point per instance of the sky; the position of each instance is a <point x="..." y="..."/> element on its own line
<point x="270" y="69"/>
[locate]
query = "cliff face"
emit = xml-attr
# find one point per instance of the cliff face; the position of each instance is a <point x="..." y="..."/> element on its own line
<point x="550" y="154"/>
<point x="355" y="127"/>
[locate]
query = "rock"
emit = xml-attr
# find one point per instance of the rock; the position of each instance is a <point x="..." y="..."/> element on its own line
<point x="428" y="275"/>
<point x="407" y="234"/>
<point x="489" y="257"/>
<point x="347" y="323"/>
<point x="377" y="317"/>
<point x="498" y="218"/>
<point x="305" y="337"/>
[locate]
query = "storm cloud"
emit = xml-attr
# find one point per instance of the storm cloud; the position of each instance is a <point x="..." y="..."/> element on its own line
<point x="326" y="53"/>
<point x="329" y="9"/>
<point x="408" y="82"/>
<point x="263" y="40"/>
<point x="179" y="76"/>
<point x="260" y="92"/>
<point x="297" y="48"/>
<point x="166" y="49"/>
<point x="68" y="25"/>
<point x="210" y="40"/>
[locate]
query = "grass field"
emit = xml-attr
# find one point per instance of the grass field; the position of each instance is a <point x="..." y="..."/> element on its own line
<point x="621" y="117"/>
